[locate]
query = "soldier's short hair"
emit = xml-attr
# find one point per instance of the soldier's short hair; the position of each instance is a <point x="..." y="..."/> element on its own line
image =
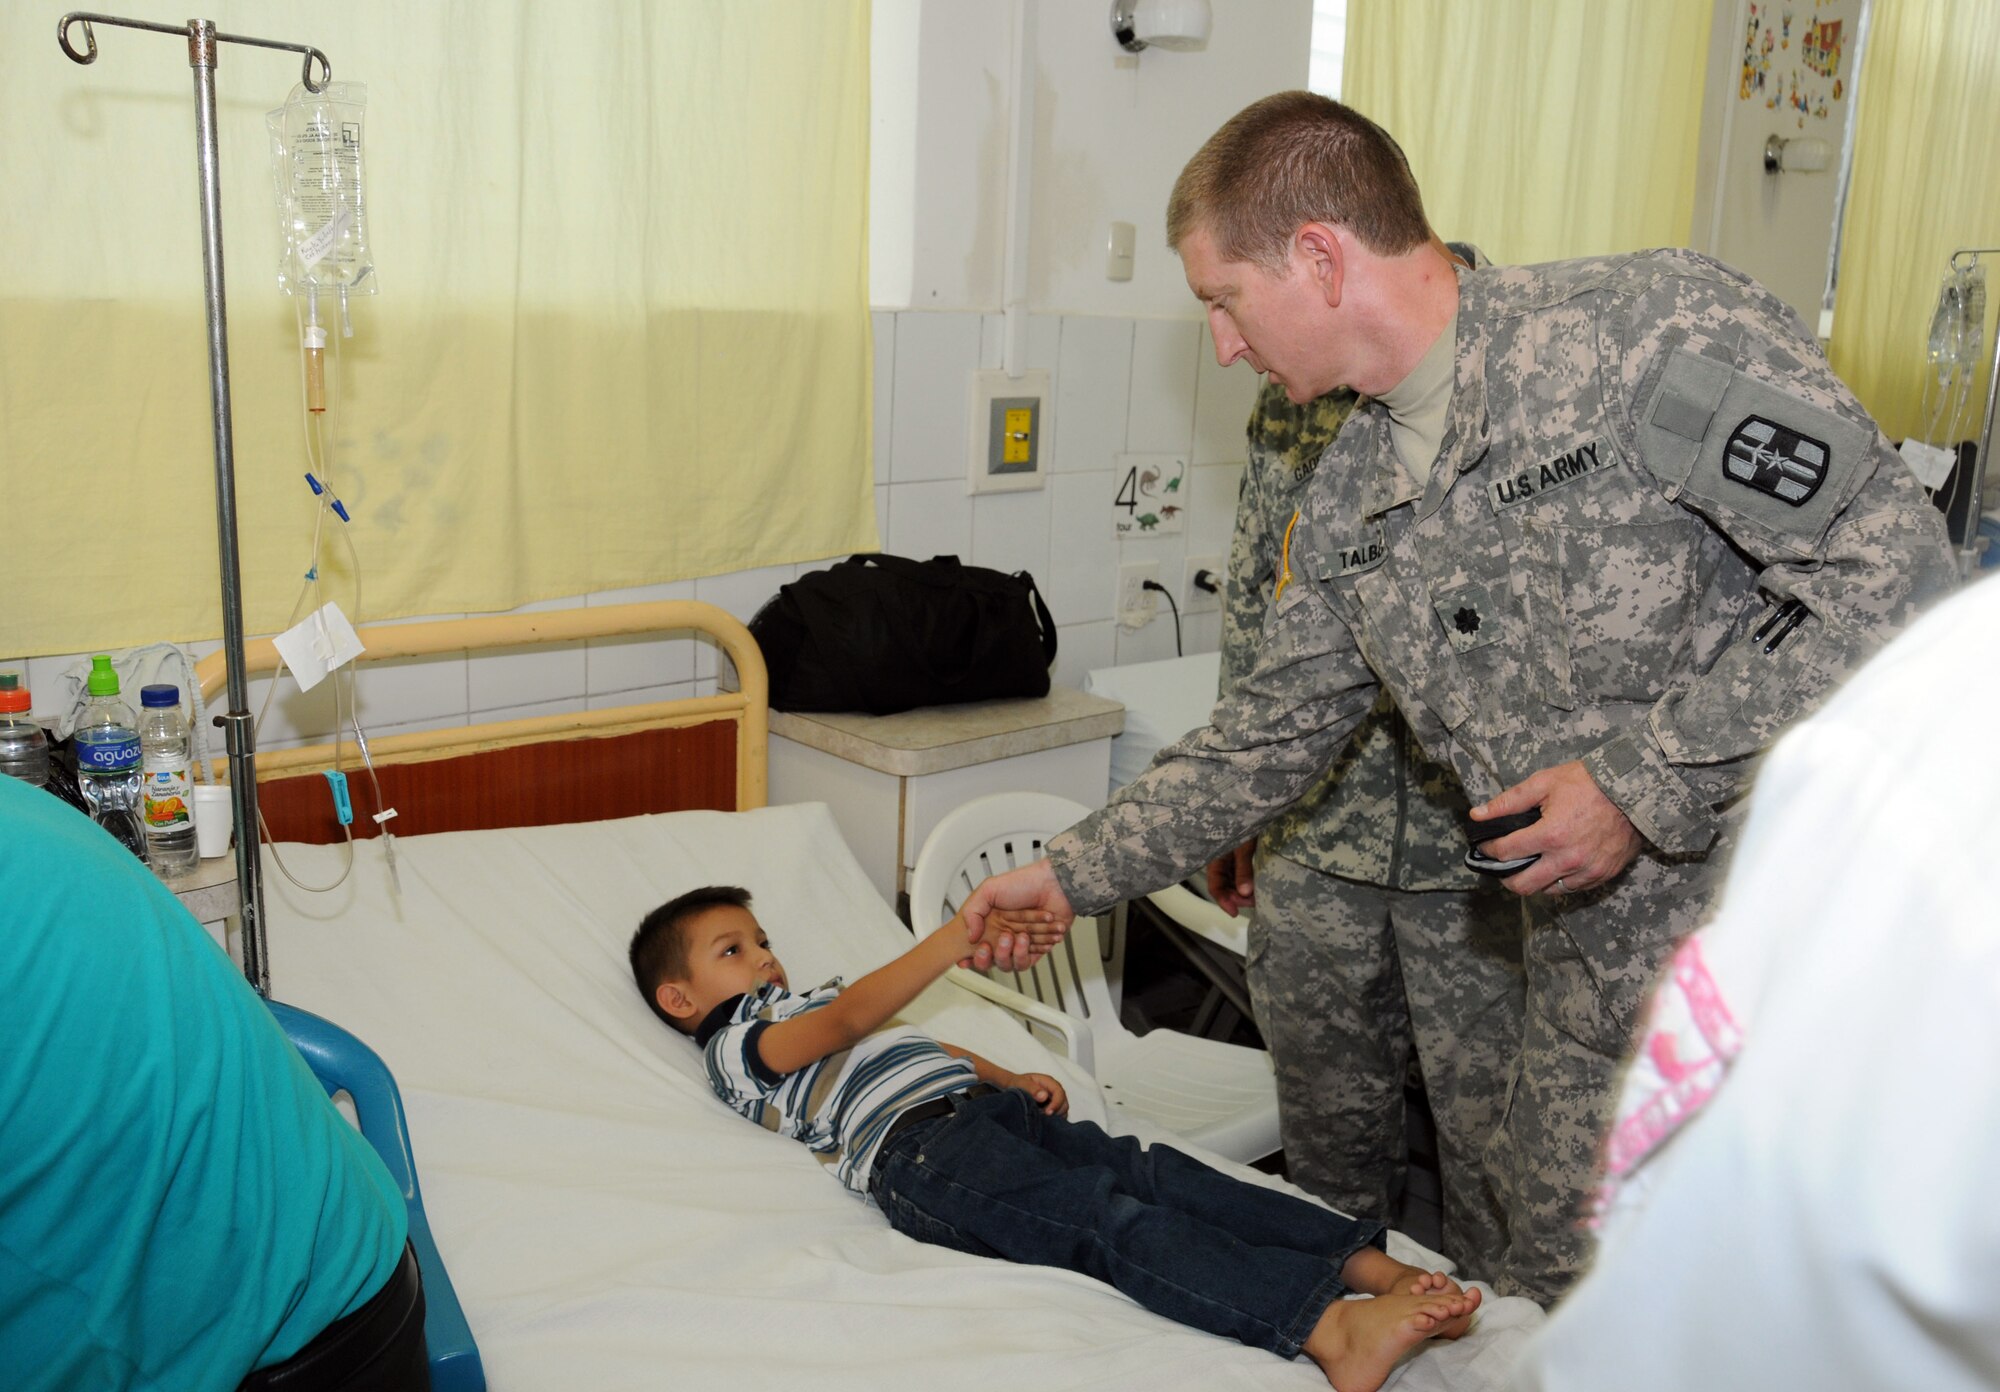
<point x="1290" y="159"/>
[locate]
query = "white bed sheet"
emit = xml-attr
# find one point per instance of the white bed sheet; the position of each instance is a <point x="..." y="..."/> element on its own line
<point x="1163" y="701"/>
<point x="607" y="1223"/>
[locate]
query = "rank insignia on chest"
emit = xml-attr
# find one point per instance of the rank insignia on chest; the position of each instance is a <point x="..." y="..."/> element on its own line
<point x="1524" y="485"/>
<point x="1775" y="459"/>
<point x="1360" y="552"/>
<point x="1473" y="615"/>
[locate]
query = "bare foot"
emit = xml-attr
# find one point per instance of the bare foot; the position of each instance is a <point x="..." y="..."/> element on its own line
<point x="1357" y="1343"/>
<point x="1374" y="1272"/>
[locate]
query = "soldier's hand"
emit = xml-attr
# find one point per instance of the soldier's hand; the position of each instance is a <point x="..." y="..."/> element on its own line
<point x="1582" y="839"/>
<point x="1232" y="879"/>
<point x="1031" y="886"/>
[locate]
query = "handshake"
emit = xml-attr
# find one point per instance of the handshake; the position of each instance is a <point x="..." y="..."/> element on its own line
<point x="1012" y="920"/>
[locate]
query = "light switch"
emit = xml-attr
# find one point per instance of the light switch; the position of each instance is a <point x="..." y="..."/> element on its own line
<point x="1118" y="252"/>
<point x="1017" y="444"/>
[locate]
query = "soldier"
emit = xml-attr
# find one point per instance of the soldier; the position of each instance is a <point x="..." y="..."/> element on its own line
<point x="1646" y="530"/>
<point x="1371" y="938"/>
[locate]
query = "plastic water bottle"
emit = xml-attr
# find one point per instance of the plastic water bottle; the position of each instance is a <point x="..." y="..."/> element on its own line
<point x="24" y="748"/>
<point x="107" y="759"/>
<point x="166" y="759"/>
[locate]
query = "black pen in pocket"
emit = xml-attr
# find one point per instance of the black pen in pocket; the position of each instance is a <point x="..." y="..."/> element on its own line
<point x="1798" y="617"/>
<point x="1774" y="618"/>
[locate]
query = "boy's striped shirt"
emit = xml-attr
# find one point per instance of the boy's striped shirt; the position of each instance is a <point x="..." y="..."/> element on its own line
<point x="840" y="1107"/>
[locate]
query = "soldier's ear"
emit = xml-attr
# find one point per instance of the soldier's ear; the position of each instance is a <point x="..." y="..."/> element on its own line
<point x="1324" y="255"/>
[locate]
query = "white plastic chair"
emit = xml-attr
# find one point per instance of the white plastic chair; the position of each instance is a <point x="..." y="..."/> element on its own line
<point x="1222" y="1095"/>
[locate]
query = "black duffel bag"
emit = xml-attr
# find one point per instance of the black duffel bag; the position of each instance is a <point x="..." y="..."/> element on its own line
<point x="883" y="634"/>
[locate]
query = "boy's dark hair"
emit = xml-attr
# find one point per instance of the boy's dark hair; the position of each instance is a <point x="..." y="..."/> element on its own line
<point x="659" y="948"/>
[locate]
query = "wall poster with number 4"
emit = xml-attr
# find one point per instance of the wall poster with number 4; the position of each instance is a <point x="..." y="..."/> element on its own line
<point x="1151" y="497"/>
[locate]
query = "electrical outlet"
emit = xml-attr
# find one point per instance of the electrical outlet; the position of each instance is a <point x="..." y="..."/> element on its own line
<point x="1136" y="604"/>
<point x="1194" y="599"/>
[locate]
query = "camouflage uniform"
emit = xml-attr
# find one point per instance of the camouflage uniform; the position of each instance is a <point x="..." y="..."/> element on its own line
<point x="1646" y="454"/>
<point x="1370" y="936"/>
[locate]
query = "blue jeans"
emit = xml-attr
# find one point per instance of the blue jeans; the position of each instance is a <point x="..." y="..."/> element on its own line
<point x="999" y="1178"/>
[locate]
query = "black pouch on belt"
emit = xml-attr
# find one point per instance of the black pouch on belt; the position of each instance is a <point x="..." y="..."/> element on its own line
<point x="883" y="634"/>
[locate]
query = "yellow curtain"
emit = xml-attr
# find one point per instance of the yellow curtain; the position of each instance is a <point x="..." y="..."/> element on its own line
<point x="621" y="336"/>
<point x="1926" y="181"/>
<point x="1539" y="129"/>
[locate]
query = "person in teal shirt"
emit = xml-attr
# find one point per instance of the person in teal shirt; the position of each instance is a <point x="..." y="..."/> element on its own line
<point x="180" y="1205"/>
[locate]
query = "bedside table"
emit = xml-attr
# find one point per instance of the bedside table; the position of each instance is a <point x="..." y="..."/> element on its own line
<point x="209" y="892"/>
<point x="889" y="779"/>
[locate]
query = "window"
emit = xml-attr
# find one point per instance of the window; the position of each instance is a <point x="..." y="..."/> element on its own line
<point x="1329" y="47"/>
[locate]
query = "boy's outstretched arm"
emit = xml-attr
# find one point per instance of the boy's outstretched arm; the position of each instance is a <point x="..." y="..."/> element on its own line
<point x="867" y="1005"/>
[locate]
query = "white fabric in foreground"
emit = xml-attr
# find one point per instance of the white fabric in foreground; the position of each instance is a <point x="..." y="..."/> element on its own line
<point x="1162" y="700"/>
<point x="1827" y="1220"/>
<point x="607" y="1222"/>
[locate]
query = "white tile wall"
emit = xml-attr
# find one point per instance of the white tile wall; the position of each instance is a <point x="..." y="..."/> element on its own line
<point x="618" y="666"/>
<point x="571" y="705"/>
<point x="935" y="355"/>
<point x="742" y="593"/>
<point x="1039" y="346"/>
<point x="883" y="326"/>
<point x="1211" y="519"/>
<point x="639" y="696"/>
<point x="1083" y="560"/>
<point x="1082" y="648"/>
<point x="1119" y="386"/>
<point x="1161" y="419"/>
<point x="412" y="693"/>
<point x="507" y="678"/>
<point x="1223" y="397"/>
<point x="1093" y="392"/>
<point x="1010" y="532"/>
<point x="930" y="519"/>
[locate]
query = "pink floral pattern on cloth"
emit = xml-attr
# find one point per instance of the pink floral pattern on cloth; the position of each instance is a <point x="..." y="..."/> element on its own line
<point x="1684" y="1052"/>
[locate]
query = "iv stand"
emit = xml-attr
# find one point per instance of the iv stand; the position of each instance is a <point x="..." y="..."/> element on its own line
<point x="1969" y="555"/>
<point x="238" y="729"/>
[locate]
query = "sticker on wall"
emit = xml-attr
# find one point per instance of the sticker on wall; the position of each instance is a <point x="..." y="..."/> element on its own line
<point x="1757" y="45"/>
<point x="1152" y="495"/>
<point x="1822" y="47"/>
<point x="1798" y="80"/>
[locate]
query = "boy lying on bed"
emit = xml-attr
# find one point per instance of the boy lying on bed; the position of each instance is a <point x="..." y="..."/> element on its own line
<point x="960" y="1152"/>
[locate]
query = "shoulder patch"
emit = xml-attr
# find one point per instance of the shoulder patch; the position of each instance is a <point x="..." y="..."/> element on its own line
<point x="1775" y="459"/>
<point x="1750" y="453"/>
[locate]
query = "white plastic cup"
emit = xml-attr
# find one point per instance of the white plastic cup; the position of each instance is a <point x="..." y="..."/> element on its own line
<point x="214" y="819"/>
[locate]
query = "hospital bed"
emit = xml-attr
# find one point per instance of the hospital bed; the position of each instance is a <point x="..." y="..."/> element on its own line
<point x="608" y="1223"/>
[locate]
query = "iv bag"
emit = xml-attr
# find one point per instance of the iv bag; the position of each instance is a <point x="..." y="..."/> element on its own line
<point x="316" y="167"/>
<point x="1958" y="324"/>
